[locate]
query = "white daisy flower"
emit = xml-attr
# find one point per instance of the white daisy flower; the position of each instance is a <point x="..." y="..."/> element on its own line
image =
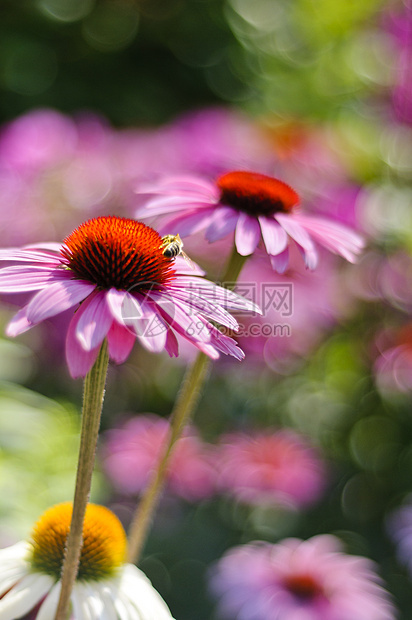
<point x="105" y="589"/>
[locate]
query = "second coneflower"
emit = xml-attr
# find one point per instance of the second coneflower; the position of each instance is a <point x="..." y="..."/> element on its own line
<point x="115" y="273"/>
<point x="253" y="205"/>
<point x="105" y="587"/>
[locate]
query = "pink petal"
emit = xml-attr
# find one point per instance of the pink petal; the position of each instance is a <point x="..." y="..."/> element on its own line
<point x="145" y="321"/>
<point x="280" y="261"/>
<point x="19" y="279"/>
<point x="169" y="204"/>
<point x="120" y="341"/>
<point x="56" y="298"/>
<point x="94" y="323"/>
<point x="153" y="338"/>
<point x="115" y="299"/>
<point x="182" y="266"/>
<point x="19" y="324"/>
<point x="295" y="230"/>
<point x="222" y="223"/>
<point x="202" y="305"/>
<point x="299" y="234"/>
<point x="188" y="223"/>
<point x="207" y="349"/>
<point x="47" y="246"/>
<point x="172" y="345"/>
<point x="334" y="236"/>
<point x="224" y="343"/>
<point x="217" y="294"/>
<point x="189" y="325"/>
<point x="274" y="236"/>
<point x="183" y="183"/>
<point x="78" y="360"/>
<point x="33" y="256"/>
<point x="247" y="234"/>
<point x="311" y="257"/>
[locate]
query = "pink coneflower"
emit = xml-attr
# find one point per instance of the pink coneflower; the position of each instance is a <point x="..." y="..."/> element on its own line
<point x="253" y="205"/>
<point x="132" y="452"/>
<point x="115" y="273"/>
<point x="299" y="580"/>
<point x="270" y="468"/>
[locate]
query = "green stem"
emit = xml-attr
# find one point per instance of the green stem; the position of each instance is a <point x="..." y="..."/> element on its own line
<point x="233" y="269"/>
<point x="93" y="394"/>
<point x="186" y="402"/>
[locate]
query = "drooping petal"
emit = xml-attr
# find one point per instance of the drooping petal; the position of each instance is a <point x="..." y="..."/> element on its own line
<point x="186" y="224"/>
<point x="143" y="318"/>
<point x="274" y="236"/>
<point x="113" y="601"/>
<point x="153" y="338"/>
<point x="48" y="247"/>
<point x="120" y="340"/>
<point x="171" y="345"/>
<point x="81" y="610"/>
<point x="103" y="590"/>
<point x="48" y="608"/>
<point x="204" y="306"/>
<point x="10" y="578"/>
<point x="183" y="183"/>
<point x="300" y="235"/>
<point x="223" y="343"/>
<point x="295" y="230"/>
<point x="183" y="267"/>
<point x="94" y="322"/>
<point x="56" y="298"/>
<point x="140" y="592"/>
<point x="180" y="317"/>
<point x="222" y="223"/>
<point x="247" y="234"/>
<point x="334" y="236"/>
<point x="280" y="261"/>
<point x="18" y="324"/>
<point x="169" y="204"/>
<point x="24" y="596"/>
<point x="31" y="256"/>
<point x="18" y="279"/>
<point x="115" y="300"/>
<point x="217" y="294"/>
<point x="78" y="360"/>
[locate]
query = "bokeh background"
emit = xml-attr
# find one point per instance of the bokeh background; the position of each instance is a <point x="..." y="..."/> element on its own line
<point x="99" y="96"/>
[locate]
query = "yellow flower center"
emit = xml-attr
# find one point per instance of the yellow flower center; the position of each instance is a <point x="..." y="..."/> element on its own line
<point x="104" y="542"/>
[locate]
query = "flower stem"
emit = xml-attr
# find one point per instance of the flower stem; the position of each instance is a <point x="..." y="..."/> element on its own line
<point x="186" y="402"/>
<point x="233" y="269"/>
<point x="93" y="394"/>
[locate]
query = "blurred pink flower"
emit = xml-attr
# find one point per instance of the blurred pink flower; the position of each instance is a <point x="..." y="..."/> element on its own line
<point x="393" y="367"/>
<point x="51" y="168"/>
<point x="253" y="205"/>
<point x="299" y="580"/>
<point x="114" y="271"/>
<point x="270" y="467"/>
<point x="37" y="140"/>
<point x="399" y="24"/>
<point x="132" y="452"/>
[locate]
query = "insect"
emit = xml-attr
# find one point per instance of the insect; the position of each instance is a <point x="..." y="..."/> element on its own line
<point x="173" y="246"/>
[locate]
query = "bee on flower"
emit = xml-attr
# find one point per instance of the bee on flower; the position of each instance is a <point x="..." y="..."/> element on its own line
<point x="122" y="285"/>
